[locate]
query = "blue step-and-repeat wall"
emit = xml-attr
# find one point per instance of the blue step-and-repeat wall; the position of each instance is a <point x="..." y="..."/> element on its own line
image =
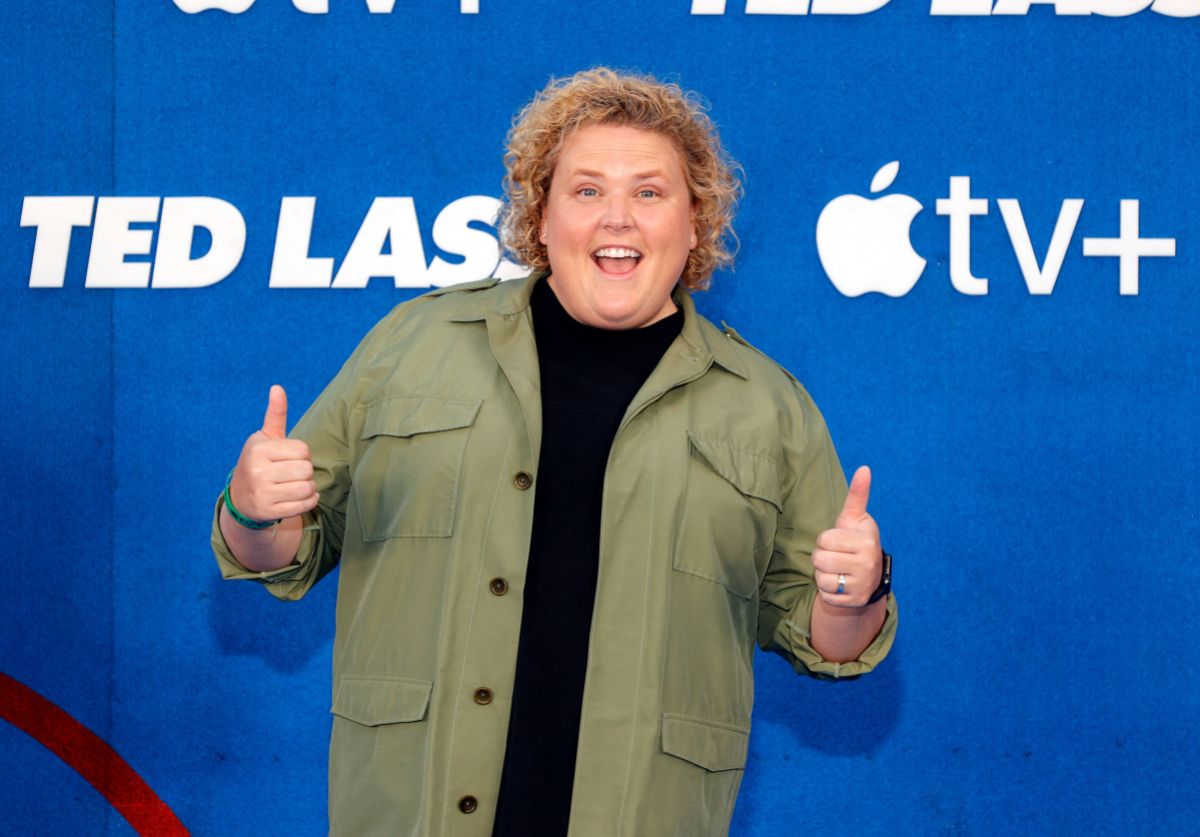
<point x="199" y="202"/>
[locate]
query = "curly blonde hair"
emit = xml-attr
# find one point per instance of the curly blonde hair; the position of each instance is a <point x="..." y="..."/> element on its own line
<point x="601" y="96"/>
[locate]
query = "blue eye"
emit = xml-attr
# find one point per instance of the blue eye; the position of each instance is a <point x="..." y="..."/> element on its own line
<point x="588" y="192"/>
<point x="648" y="193"/>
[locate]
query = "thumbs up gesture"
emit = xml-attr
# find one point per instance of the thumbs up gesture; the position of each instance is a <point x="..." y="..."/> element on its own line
<point x="273" y="479"/>
<point x="848" y="561"/>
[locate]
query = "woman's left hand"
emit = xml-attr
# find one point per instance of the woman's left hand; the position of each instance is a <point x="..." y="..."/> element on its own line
<point x="848" y="559"/>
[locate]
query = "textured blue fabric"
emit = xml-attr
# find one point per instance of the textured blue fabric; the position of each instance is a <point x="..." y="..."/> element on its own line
<point x="1034" y="469"/>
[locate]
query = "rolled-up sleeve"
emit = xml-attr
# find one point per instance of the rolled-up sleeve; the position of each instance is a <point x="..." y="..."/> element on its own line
<point x="288" y="583"/>
<point x="789" y="588"/>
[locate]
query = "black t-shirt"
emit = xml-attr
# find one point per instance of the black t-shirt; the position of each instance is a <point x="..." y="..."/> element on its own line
<point x="588" y="378"/>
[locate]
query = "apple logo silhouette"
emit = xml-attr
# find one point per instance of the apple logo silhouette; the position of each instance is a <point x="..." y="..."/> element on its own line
<point x="234" y="7"/>
<point x="864" y="244"/>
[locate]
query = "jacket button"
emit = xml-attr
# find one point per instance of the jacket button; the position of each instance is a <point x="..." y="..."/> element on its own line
<point x="483" y="696"/>
<point x="468" y="804"/>
<point x="498" y="586"/>
<point x="522" y="480"/>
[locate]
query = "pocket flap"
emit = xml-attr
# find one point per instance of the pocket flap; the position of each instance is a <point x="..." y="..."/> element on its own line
<point x="711" y="746"/>
<point x="751" y="474"/>
<point x="409" y="415"/>
<point x="372" y="701"/>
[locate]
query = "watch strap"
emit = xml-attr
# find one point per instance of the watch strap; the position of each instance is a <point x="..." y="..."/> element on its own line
<point x="885" y="579"/>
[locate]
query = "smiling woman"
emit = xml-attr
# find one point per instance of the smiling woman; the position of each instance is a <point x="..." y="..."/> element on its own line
<point x="565" y="508"/>
<point x="542" y="132"/>
<point x="618" y="226"/>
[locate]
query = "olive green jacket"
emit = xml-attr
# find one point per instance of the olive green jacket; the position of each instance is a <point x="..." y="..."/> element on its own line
<point x="426" y="447"/>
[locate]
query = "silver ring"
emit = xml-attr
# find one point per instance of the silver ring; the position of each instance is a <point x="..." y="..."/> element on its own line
<point x="841" y="583"/>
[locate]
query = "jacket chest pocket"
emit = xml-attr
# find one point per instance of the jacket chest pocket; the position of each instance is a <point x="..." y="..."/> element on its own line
<point x="406" y="482"/>
<point x="730" y="515"/>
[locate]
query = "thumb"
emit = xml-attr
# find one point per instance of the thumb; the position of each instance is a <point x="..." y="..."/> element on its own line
<point x="275" y="421"/>
<point x="854" y="510"/>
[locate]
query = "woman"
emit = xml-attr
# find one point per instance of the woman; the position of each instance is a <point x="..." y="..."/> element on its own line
<point x="565" y="508"/>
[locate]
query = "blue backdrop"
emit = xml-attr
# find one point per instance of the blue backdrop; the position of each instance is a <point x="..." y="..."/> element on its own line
<point x="1034" y="469"/>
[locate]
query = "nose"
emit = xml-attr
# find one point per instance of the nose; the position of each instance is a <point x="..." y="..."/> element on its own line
<point x="617" y="214"/>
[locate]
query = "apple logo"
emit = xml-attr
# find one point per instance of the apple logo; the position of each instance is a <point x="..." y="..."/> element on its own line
<point x="864" y="244"/>
<point x="234" y="7"/>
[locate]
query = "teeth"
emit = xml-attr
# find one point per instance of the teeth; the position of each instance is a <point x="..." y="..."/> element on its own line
<point x="617" y="253"/>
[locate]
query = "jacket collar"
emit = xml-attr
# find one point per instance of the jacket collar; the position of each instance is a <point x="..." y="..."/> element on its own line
<point x="700" y="337"/>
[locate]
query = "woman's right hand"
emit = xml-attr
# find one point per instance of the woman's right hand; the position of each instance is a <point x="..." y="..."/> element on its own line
<point x="273" y="479"/>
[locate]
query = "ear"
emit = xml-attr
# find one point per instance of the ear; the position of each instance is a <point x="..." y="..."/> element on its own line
<point x="695" y="239"/>
<point x="542" y="232"/>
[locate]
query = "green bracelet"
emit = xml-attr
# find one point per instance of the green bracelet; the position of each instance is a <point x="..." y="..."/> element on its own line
<point x="237" y="515"/>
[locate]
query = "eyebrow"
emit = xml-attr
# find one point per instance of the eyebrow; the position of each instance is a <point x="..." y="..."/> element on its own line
<point x="643" y="175"/>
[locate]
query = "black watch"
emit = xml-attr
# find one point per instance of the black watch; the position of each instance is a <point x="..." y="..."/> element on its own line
<point x="885" y="580"/>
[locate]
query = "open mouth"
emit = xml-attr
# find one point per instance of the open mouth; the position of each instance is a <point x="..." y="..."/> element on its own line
<point x="617" y="259"/>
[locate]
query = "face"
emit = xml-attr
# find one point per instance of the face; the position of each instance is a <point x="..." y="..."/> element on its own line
<point x="618" y="226"/>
